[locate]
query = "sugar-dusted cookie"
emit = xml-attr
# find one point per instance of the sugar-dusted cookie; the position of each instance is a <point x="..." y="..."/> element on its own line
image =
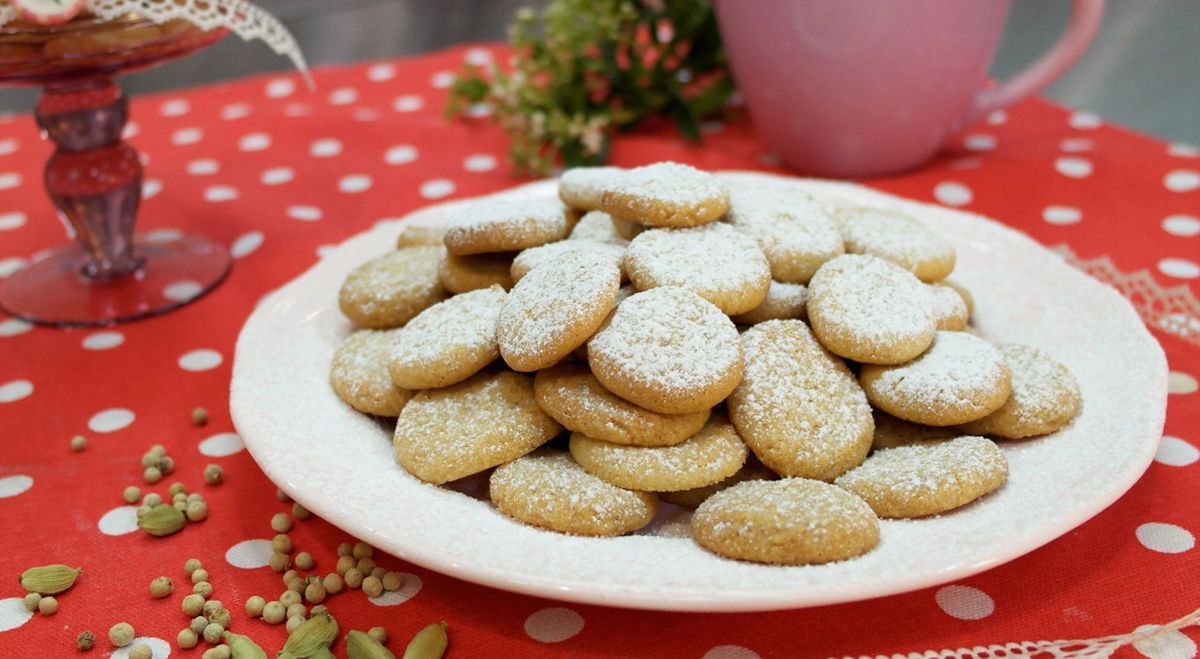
<point x="460" y="274"/>
<point x="577" y="400"/>
<point x="598" y="226"/>
<point x="753" y="470"/>
<point x="580" y="187"/>
<point x="556" y="308"/>
<point x="962" y="291"/>
<point x="894" y="236"/>
<point x="668" y="350"/>
<point x="535" y="256"/>
<point x="798" y="407"/>
<point x="1045" y="397"/>
<point x="710" y="456"/>
<point x="947" y="307"/>
<point x="870" y="310"/>
<point x="484" y="421"/>
<point x="505" y="225"/>
<point x="890" y="431"/>
<point x="665" y="194"/>
<point x="783" y="302"/>
<point x="359" y="374"/>
<point x="791" y="521"/>
<point x="448" y="342"/>
<point x="549" y="490"/>
<point x="715" y="261"/>
<point x="389" y="290"/>
<point x="626" y="229"/>
<point x="795" y="233"/>
<point x="960" y="378"/>
<point x="928" y="477"/>
<point x="417" y="235"/>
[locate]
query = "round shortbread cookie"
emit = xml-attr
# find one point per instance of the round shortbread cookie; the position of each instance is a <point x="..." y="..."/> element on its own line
<point x="960" y="378"/>
<point x="448" y="342"/>
<point x="753" y="470"/>
<point x="580" y="187"/>
<point x="947" y="307"/>
<point x="791" y="521"/>
<point x="927" y="478"/>
<point x="359" y="374"/>
<point x="1045" y="397"/>
<point x="598" y="226"/>
<point x="549" y="490"/>
<point x="710" y="456"/>
<point x="626" y="229"/>
<point x="783" y="302"/>
<point x="795" y="233"/>
<point x="962" y="291"/>
<point x="535" y="256"/>
<point x="715" y="261"/>
<point x="665" y="194"/>
<point x="894" y="236"/>
<point x="798" y="407"/>
<point x="890" y="432"/>
<point x="870" y="310"/>
<point x="556" y="308"/>
<point x="669" y="351"/>
<point x="505" y="225"/>
<point x="389" y="290"/>
<point x="487" y="420"/>
<point x="462" y="274"/>
<point x="577" y="400"/>
<point x="414" y="236"/>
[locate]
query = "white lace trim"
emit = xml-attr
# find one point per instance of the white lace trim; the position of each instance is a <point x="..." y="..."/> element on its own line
<point x="1174" y="310"/>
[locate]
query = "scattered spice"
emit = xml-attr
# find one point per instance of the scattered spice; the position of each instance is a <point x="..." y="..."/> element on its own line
<point x="177" y="488"/>
<point x="304" y="561"/>
<point x="162" y="520"/>
<point x="131" y="494"/>
<point x="293" y="623"/>
<point x="199" y="417"/>
<point x="273" y="613"/>
<point x="295" y="611"/>
<point x="31" y="602"/>
<point x="281" y="495"/>
<point x="300" y="512"/>
<point x="197" y="511"/>
<point x="353" y="577"/>
<point x="85" y="641"/>
<point x="392" y="581"/>
<point x="282" y="543"/>
<point x="313" y="634"/>
<point x="213" y="475"/>
<point x="161" y="587"/>
<point x="192" y="605"/>
<point x="279" y="562"/>
<point x="203" y="589"/>
<point x="191" y="565"/>
<point x="360" y="645"/>
<point x="78" y="444"/>
<point x="333" y="583"/>
<point x="217" y="652"/>
<point x="141" y="651"/>
<point x="213" y="632"/>
<point x="281" y="523"/>
<point x="199" y="575"/>
<point x="429" y="643"/>
<point x="379" y="634"/>
<point x="362" y="550"/>
<point x="244" y="648"/>
<point x="187" y="639"/>
<point x="372" y="586"/>
<point x="314" y="593"/>
<point x="121" y="634"/>
<point x="345" y="549"/>
<point x="48" y="606"/>
<point x="344" y="563"/>
<point x="289" y="598"/>
<point x="198" y="624"/>
<point x="152" y="499"/>
<point x="254" y="606"/>
<point x="366" y="565"/>
<point x="152" y="475"/>
<point x="49" y="579"/>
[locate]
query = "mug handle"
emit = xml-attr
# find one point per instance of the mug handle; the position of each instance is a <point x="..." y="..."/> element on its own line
<point x="1085" y="21"/>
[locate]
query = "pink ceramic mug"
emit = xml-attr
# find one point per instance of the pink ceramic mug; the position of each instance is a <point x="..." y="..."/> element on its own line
<point x="867" y="87"/>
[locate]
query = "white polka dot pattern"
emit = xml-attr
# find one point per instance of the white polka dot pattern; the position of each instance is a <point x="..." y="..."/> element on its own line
<point x="1176" y="452"/>
<point x="1165" y="538"/>
<point x="119" y="521"/>
<point x="200" y="360"/>
<point x="11" y="486"/>
<point x="11" y="392"/>
<point x="13" y="613"/>
<point x="222" y="445"/>
<point x="249" y="554"/>
<point x="964" y="602"/>
<point x="553" y="625"/>
<point x="111" y="420"/>
<point x="410" y="585"/>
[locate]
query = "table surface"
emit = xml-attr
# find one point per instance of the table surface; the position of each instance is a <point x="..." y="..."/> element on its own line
<point x="281" y="175"/>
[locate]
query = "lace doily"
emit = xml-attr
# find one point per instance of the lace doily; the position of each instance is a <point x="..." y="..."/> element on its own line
<point x="1174" y="310"/>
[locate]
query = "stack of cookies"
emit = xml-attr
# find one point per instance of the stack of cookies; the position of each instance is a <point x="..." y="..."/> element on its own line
<point x="793" y="372"/>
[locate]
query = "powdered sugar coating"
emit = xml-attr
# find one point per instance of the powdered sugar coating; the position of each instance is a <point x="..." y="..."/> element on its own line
<point x="665" y="194"/>
<point x="927" y="477"/>
<point x="783" y="302"/>
<point x="870" y="310"/>
<point x="389" y="290"/>
<point x="960" y="378"/>
<point x="753" y="470"/>
<point x="359" y="374"/>
<point x="668" y="350"/>
<point x="535" y="256"/>
<point x="598" y="226"/>
<point x="462" y="274"/>
<point x="580" y="187"/>
<point x="503" y="225"/>
<point x="947" y="307"/>
<point x="897" y="237"/>
<point x="798" y="407"/>
<point x="556" y="308"/>
<point x="795" y="233"/>
<point x="550" y="490"/>
<point x="890" y="431"/>
<point x="715" y="261"/>
<point x="1045" y="397"/>
<point x="448" y="342"/>
<point x="413" y="236"/>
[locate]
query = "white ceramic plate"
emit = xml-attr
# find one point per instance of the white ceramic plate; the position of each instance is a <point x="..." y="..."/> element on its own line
<point x="339" y="463"/>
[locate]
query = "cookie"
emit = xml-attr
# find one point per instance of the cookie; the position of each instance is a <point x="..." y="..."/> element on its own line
<point x="715" y="261"/>
<point x="960" y="378"/>
<point x="798" y="407"/>
<point x="505" y="225"/>
<point x="359" y="374"/>
<point x="753" y="470"/>
<point x="597" y="226"/>
<point x="710" y="456"/>
<point x="890" y="432"/>
<point x="576" y="399"/>
<point x="484" y="421"/>
<point x="547" y="489"/>
<point x="667" y="350"/>
<point x="783" y="302"/>
<point x="389" y="290"/>
<point x="795" y="233"/>
<point x="580" y="187"/>
<point x="791" y="521"/>
<point x="664" y="194"/>
<point x="448" y="342"/>
<point x="461" y="274"/>
<point x="1045" y="397"/>
<point x="947" y="307"/>
<point x="870" y="310"/>
<point x="414" y="236"/>
<point x="962" y="291"/>
<point x="927" y="478"/>
<point x="556" y="308"/>
<point x="898" y="238"/>
<point x="535" y="256"/>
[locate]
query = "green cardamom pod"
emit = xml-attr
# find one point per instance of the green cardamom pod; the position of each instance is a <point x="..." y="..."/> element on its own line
<point x="241" y="647"/>
<point x="162" y="520"/>
<point x="359" y="645"/>
<point x="322" y="653"/>
<point x="313" y="634"/>
<point x="429" y="643"/>
<point x="49" y="579"/>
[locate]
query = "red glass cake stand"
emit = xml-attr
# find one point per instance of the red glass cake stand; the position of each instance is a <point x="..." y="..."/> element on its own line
<point x="94" y="179"/>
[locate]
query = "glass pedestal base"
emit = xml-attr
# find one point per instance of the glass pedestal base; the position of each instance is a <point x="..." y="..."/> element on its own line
<point x="53" y="290"/>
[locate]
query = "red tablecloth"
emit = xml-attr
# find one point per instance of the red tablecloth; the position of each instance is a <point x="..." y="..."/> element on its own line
<point x="281" y="174"/>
